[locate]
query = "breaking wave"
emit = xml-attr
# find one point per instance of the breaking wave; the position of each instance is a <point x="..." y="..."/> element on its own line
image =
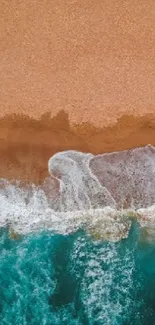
<point x="79" y="249"/>
<point x="98" y="193"/>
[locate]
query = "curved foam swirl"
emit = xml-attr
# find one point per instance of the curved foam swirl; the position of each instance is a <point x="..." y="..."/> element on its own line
<point x="93" y="192"/>
<point x="119" y="179"/>
<point x="79" y="187"/>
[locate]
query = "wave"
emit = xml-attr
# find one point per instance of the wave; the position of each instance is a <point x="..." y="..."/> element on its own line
<point x="98" y="193"/>
<point x="55" y="273"/>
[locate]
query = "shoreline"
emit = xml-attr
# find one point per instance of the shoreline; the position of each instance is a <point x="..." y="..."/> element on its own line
<point x="27" y="144"/>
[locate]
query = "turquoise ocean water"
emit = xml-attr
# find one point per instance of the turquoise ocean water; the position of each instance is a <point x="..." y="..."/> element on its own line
<point x="56" y="279"/>
<point x="59" y="267"/>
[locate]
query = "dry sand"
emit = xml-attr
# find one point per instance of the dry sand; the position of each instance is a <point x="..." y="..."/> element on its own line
<point x="92" y="63"/>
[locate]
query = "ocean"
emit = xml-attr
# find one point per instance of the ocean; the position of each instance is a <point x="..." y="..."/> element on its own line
<point x="80" y="248"/>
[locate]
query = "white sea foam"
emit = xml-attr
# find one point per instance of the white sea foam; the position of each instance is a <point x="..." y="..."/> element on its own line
<point x="102" y="268"/>
<point x="23" y="216"/>
<point x="85" y="191"/>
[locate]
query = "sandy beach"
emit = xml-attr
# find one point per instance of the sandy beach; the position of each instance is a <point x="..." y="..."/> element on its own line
<point x="74" y="75"/>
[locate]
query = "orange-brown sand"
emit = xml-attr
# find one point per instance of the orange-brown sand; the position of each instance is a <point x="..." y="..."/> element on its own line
<point x="26" y="144"/>
<point x="91" y="62"/>
<point x="93" y="59"/>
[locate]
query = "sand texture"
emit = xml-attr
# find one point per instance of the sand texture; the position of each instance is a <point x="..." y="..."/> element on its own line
<point x="74" y="75"/>
<point x="93" y="59"/>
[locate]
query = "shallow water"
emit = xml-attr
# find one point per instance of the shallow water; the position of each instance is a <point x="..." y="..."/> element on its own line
<point x="80" y="249"/>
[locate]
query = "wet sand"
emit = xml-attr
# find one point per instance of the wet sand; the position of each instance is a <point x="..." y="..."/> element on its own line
<point x="27" y="144"/>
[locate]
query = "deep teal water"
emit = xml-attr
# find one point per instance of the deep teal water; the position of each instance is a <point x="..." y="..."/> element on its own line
<point x="50" y="279"/>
